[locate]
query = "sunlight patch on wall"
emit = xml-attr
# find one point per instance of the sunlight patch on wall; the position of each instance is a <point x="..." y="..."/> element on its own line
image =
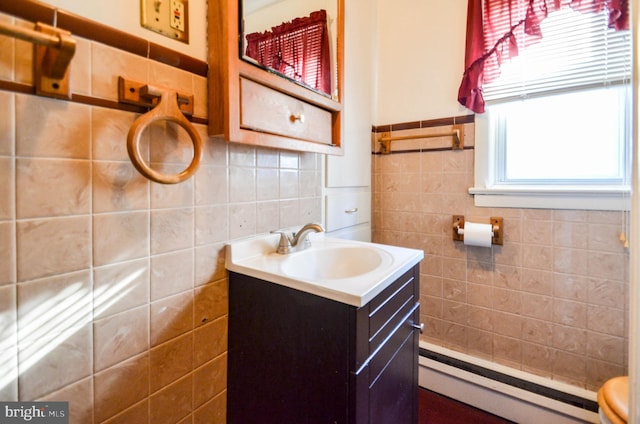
<point x="54" y="321"/>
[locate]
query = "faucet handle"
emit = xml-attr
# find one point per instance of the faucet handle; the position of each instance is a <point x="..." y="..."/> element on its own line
<point x="284" y="245"/>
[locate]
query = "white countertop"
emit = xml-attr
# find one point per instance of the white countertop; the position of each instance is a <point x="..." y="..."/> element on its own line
<point x="257" y="257"/>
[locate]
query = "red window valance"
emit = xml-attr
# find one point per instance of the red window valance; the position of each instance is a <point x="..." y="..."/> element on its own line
<point x="498" y="29"/>
<point x="298" y="49"/>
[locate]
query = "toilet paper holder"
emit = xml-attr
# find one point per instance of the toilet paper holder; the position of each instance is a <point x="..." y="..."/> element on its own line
<point x="496" y="224"/>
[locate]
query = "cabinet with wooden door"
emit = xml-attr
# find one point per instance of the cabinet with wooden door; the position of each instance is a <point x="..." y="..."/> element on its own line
<point x="252" y="100"/>
<point x="296" y="357"/>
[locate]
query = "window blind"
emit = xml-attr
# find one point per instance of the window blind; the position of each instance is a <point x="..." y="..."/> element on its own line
<point x="577" y="51"/>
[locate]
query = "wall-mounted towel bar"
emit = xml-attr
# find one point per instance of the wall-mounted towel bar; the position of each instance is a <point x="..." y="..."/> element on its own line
<point x="53" y="50"/>
<point x="167" y="105"/>
<point x="457" y="142"/>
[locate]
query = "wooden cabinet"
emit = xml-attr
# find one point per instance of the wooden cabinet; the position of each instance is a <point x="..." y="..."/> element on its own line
<point x="300" y="358"/>
<point x="250" y="105"/>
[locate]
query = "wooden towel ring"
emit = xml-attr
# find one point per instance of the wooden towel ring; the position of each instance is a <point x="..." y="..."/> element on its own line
<point x="166" y="110"/>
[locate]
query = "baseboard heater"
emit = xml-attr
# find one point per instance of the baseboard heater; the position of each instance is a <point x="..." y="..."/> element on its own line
<point x="510" y="395"/>
<point x="539" y="389"/>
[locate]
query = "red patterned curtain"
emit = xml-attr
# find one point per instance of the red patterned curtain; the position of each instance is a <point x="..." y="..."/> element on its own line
<point x="497" y="29"/>
<point x="298" y="49"/>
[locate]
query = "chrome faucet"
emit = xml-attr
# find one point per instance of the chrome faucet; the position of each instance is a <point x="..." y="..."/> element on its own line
<point x="298" y="240"/>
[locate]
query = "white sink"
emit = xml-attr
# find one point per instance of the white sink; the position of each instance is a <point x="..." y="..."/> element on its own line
<point x="331" y="263"/>
<point x="347" y="271"/>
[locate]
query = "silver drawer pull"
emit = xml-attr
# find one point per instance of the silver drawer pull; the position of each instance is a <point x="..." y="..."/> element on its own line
<point x="418" y="327"/>
<point x="352" y="210"/>
<point x="298" y="117"/>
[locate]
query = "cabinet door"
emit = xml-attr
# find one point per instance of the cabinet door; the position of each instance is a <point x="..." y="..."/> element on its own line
<point x="393" y="390"/>
<point x="288" y="355"/>
<point x="393" y="369"/>
<point x="354" y="168"/>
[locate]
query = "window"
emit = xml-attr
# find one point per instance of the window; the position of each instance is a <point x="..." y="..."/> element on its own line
<point x="556" y="131"/>
<point x="569" y="141"/>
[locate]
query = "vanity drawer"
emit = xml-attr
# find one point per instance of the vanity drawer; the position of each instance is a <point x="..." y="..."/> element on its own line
<point x="389" y="309"/>
<point x="347" y="210"/>
<point x="267" y="110"/>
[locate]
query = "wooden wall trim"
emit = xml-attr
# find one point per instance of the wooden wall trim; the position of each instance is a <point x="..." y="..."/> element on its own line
<point x="21" y="88"/>
<point x="463" y="119"/>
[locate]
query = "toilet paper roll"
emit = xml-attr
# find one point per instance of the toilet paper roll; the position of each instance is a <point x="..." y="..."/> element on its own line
<point x="477" y="234"/>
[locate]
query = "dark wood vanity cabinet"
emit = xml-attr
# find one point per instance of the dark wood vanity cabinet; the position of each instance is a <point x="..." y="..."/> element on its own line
<point x="299" y="358"/>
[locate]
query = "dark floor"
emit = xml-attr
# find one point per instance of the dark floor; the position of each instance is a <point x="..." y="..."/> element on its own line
<point x="437" y="409"/>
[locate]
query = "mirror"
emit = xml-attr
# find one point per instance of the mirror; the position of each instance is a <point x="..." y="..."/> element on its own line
<point x="296" y="39"/>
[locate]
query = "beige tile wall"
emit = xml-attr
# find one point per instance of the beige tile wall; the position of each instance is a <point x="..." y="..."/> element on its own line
<point x="551" y="301"/>
<point x="113" y="293"/>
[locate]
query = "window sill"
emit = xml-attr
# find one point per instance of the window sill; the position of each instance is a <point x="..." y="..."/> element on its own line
<point x="587" y="198"/>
